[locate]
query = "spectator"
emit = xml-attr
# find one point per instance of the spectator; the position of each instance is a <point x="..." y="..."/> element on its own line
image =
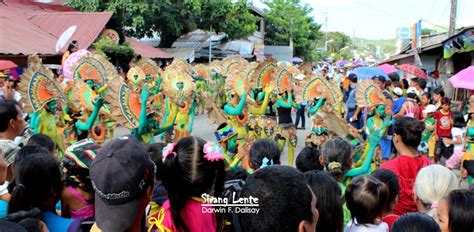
<point x="121" y="166"/>
<point x="11" y="126"/>
<point x="438" y="94"/>
<point x="192" y="168"/>
<point x="366" y="198"/>
<point x="425" y="101"/>
<point x="410" y="107"/>
<point x="456" y="212"/>
<point x="415" y="222"/>
<point x="457" y="140"/>
<point x="391" y="181"/>
<point x="300" y="115"/>
<point x="159" y="192"/>
<point x="285" y="200"/>
<point x="78" y="195"/>
<point x="38" y="184"/>
<point x="432" y="184"/>
<point x="434" y="82"/>
<point x="443" y="128"/>
<point x="354" y="116"/>
<point x="329" y="204"/>
<point x="398" y="100"/>
<point x="406" y="139"/>
<point x="43" y="141"/>
<point x="309" y="159"/>
<point x="427" y="142"/>
<point x="263" y="153"/>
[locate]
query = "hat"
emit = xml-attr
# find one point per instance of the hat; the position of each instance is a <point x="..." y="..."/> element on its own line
<point x="398" y="91"/>
<point x="121" y="173"/>
<point x="412" y="90"/>
<point x="352" y="77"/>
<point x="429" y="109"/>
<point x="379" y="78"/>
<point x="224" y="132"/>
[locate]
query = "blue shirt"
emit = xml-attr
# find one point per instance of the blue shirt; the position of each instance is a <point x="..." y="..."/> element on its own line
<point x="397" y="104"/>
<point x="351" y="100"/>
<point x="56" y="223"/>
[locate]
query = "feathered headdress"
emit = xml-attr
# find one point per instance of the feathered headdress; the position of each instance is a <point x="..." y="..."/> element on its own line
<point x="38" y="86"/>
<point x="368" y="94"/>
<point x="316" y="86"/>
<point x="263" y="74"/>
<point x="94" y="67"/>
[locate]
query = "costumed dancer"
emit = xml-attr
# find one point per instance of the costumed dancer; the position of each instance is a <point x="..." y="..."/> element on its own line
<point x="467" y="162"/>
<point x="369" y="95"/>
<point x="263" y="85"/>
<point x="42" y="93"/>
<point x="287" y="130"/>
<point x="201" y="75"/>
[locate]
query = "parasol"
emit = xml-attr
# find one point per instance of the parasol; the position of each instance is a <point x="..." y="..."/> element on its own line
<point x="73" y="58"/>
<point x="463" y="79"/>
<point x="387" y="68"/>
<point x="366" y="73"/>
<point x="412" y="70"/>
<point x="341" y="63"/>
<point x="7" y="64"/>
<point x="297" y="60"/>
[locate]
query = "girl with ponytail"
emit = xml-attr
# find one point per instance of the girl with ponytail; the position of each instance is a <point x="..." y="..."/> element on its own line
<point x="192" y="168"/>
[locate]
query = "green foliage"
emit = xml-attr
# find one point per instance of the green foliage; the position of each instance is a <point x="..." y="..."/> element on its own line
<point x="107" y="48"/>
<point x="136" y="16"/>
<point x="290" y="20"/>
<point x="173" y="18"/>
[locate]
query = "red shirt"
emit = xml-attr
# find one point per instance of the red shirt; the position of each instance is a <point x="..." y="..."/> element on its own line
<point x="443" y="124"/>
<point x="406" y="168"/>
<point x="390" y="219"/>
<point x="422" y="115"/>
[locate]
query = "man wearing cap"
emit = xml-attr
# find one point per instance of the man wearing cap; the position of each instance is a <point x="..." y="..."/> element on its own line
<point x="122" y="175"/>
<point x="354" y="116"/>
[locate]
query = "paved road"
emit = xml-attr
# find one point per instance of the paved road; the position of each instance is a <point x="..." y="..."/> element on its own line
<point x="205" y="130"/>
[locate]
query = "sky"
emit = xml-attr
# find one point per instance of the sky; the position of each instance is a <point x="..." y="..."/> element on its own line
<point x="379" y="19"/>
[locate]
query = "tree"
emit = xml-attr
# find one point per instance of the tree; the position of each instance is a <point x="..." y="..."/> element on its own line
<point x="173" y="18"/>
<point x="289" y="20"/>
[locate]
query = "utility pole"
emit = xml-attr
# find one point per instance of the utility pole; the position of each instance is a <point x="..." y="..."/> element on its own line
<point x="326" y="34"/>
<point x="210" y="44"/>
<point x="452" y="17"/>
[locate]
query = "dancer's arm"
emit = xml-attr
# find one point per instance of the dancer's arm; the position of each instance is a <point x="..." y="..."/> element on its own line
<point x="238" y="109"/>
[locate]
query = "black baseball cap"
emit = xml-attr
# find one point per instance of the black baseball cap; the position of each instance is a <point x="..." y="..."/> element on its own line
<point x="121" y="173"/>
<point x="379" y="78"/>
<point x="352" y="77"/>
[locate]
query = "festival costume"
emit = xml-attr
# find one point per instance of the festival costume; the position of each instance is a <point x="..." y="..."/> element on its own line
<point x="369" y="95"/>
<point x="467" y="161"/>
<point x="39" y="88"/>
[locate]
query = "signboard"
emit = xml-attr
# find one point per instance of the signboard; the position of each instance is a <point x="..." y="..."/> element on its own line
<point x="403" y="33"/>
<point x="461" y="43"/>
<point x="111" y="35"/>
<point x="416" y="35"/>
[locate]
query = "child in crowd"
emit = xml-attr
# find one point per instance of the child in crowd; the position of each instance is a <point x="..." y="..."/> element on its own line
<point x="425" y="101"/>
<point x="285" y="201"/>
<point x="43" y="141"/>
<point x="432" y="184"/>
<point x="77" y="198"/>
<point x="415" y="222"/>
<point x="438" y="95"/>
<point x="427" y="142"/>
<point x="366" y="198"/>
<point x="329" y="204"/>
<point x="309" y="159"/>
<point x="38" y="184"/>
<point x="443" y="119"/>
<point x="391" y="181"/>
<point x="457" y="134"/>
<point x="192" y="167"/>
<point x="264" y="153"/>
<point x="456" y="212"/>
<point x="159" y="192"/>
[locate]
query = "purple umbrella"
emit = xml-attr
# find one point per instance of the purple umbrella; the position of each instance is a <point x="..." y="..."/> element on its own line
<point x="358" y="63"/>
<point x="463" y="79"/>
<point x="297" y="60"/>
<point x="342" y="63"/>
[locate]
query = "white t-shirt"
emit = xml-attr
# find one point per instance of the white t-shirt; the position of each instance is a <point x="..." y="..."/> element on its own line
<point x="455" y="131"/>
<point x="354" y="227"/>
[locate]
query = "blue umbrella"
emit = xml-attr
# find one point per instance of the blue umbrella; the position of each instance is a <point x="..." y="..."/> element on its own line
<point x="366" y="73"/>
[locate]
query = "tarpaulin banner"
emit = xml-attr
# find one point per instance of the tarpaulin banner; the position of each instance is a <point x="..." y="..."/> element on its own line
<point x="461" y="43"/>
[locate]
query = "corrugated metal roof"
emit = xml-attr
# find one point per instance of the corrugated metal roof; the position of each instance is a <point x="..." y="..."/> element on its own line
<point x="89" y="25"/>
<point x="20" y="36"/>
<point x="147" y="51"/>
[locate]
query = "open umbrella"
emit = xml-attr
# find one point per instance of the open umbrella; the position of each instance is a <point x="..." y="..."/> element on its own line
<point x="387" y="68"/>
<point x="73" y="58"/>
<point x="366" y="73"/>
<point x="297" y="60"/>
<point x="412" y="70"/>
<point x="358" y="63"/>
<point x="341" y="63"/>
<point x="7" y="64"/>
<point x="463" y="79"/>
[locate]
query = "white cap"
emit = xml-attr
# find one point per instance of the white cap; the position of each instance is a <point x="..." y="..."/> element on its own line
<point x="398" y="91"/>
<point x="429" y="109"/>
<point x="412" y="90"/>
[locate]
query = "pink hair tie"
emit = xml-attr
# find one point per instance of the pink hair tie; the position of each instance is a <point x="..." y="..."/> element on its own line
<point x="169" y="150"/>
<point x="434" y="205"/>
<point x="213" y="152"/>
